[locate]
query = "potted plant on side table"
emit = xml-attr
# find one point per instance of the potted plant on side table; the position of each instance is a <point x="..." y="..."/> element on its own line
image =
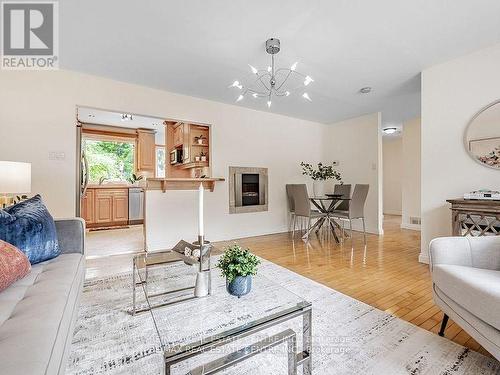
<point x="320" y="177"/>
<point x="238" y="265"/>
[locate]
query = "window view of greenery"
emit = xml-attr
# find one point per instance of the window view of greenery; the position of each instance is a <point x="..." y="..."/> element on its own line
<point x="109" y="161"/>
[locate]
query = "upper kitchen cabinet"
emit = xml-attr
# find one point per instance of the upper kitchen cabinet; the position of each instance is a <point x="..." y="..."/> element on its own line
<point x="146" y="156"/>
<point x="178" y="135"/>
<point x="188" y="146"/>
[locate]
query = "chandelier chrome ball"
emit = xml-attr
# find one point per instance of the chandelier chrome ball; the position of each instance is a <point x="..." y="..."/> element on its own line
<point x="272" y="82"/>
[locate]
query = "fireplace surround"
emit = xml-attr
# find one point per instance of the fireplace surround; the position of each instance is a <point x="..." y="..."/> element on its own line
<point x="248" y="189"/>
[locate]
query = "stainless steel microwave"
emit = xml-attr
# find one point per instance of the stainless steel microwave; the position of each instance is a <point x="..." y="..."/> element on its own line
<point x="176" y="156"/>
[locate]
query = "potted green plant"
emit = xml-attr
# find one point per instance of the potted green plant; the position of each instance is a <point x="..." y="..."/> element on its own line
<point x="203" y="156"/>
<point x="199" y="139"/>
<point x="134" y="179"/>
<point x="238" y="265"/>
<point x="320" y="175"/>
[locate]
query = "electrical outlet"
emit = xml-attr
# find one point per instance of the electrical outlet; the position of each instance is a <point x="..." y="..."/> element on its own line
<point x="57" y="155"/>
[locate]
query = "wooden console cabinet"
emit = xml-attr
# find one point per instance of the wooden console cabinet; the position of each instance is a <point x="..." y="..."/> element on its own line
<point x="105" y="207"/>
<point x="475" y="217"/>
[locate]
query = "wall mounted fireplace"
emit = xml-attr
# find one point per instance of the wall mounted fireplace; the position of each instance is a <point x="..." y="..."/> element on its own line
<point x="248" y="190"/>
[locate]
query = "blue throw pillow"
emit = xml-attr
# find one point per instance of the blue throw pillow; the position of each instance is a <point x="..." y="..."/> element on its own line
<point x="30" y="227"/>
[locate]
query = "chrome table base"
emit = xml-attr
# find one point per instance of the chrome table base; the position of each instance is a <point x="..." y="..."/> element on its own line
<point x="304" y="357"/>
<point x="144" y="281"/>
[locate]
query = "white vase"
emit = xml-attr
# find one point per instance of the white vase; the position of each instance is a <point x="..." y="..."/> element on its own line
<point x="318" y="188"/>
<point x="322" y="187"/>
<point x="201" y="286"/>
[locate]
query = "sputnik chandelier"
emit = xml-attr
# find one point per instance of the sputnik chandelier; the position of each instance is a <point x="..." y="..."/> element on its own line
<point x="271" y="82"/>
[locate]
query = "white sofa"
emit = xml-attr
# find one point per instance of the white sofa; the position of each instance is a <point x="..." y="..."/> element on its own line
<point x="38" y="313"/>
<point x="466" y="286"/>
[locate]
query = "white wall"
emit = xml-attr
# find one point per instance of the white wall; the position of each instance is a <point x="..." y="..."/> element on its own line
<point x="357" y="145"/>
<point x="37" y="116"/>
<point x="250" y="139"/>
<point x="451" y="94"/>
<point x="411" y="180"/>
<point x="392" y="148"/>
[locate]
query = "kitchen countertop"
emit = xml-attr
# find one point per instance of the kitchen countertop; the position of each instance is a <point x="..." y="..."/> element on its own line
<point x="111" y="186"/>
<point x="165" y="184"/>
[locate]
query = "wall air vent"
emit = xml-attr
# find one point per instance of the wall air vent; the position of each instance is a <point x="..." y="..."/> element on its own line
<point x="415" y="220"/>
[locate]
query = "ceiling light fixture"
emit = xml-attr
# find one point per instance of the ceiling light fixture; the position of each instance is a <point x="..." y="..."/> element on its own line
<point x="390" y="130"/>
<point x="365" y="90"/>
<point x="271" y="82"/>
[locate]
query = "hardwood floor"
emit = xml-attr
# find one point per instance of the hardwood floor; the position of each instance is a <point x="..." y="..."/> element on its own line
<point x="386" y="274"/>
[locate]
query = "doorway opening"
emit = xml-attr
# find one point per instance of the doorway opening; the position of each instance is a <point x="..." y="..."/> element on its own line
<point x="118" y="152"/>
<point x="401" y="175"/>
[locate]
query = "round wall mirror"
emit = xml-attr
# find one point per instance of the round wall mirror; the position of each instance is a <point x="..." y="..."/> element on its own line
<point x="482" y="136"/>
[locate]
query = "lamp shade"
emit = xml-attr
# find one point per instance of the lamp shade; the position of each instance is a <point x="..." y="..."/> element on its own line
<point x="15" y="177"/>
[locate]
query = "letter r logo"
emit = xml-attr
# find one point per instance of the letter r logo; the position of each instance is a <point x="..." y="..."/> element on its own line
<point x="28" y="28"/>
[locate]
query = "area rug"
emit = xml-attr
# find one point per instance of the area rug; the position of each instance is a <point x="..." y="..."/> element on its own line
<point x="349" y="337"/>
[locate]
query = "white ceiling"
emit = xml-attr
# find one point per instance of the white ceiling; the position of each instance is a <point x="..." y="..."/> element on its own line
<point x="200" y="47"/>
<point x="105" y="117"/>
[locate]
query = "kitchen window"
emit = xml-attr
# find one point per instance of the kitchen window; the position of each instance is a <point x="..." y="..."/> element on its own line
<point x="109" y="160"/>
<point x="160" y="161"/>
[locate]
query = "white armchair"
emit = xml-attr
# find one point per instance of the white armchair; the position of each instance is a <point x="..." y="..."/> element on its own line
<point x="466" y="286"/>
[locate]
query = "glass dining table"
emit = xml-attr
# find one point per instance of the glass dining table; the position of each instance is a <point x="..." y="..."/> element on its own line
<point x="327" y="204"/>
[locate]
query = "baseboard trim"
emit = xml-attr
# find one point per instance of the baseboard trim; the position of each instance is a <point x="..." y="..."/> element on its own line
<point x="390" y="212"/>
<point x="410" y="226"/>
<point x="423" y="258"/>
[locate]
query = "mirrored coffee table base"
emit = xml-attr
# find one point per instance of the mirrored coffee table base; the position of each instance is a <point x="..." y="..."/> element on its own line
<point x="140" y="270"/>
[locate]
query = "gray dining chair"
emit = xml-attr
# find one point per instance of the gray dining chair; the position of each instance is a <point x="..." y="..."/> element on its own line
<point x="356" y="208"/>
<point x="291" y="206"/>
<point x="302" y="208"/>
<point x="344" y="190"/>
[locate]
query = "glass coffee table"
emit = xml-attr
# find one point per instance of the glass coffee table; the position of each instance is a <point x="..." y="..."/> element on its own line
<point x="144" y="262"/>
<point x="219" y="321"/>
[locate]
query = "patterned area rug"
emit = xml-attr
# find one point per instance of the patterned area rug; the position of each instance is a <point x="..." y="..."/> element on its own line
<point x="349" y="337"/>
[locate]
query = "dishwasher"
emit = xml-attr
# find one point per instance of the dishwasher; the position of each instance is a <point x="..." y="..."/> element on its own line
<point x="135" y="205"/>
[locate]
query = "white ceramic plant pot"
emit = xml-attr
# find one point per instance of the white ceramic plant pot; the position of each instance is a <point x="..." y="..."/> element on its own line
<point x="196" y="158"/>
<point x="322" y="187"/>
<point x="203" y="158"/>
<point x="200" y="141"/>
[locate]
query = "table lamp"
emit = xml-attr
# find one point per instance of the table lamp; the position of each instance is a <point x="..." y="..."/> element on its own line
<point x="15" y="178"/>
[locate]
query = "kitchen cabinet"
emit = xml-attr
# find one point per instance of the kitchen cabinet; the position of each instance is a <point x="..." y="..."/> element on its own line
<point x="87" y="207"/>
<point x="186" y="145"/>
<point x="194" y="139"/>
<point x="105" y="206"/>
<point x="146" y="156"/>
<point x="179" y="135"/>
<point x="120" y="206"/>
